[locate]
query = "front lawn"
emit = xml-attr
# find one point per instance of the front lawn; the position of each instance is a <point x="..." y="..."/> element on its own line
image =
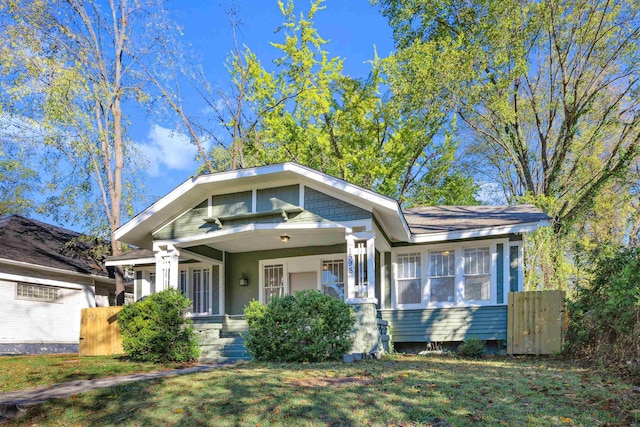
<point x="399" y="391"/>
<point x="22" y="372"/>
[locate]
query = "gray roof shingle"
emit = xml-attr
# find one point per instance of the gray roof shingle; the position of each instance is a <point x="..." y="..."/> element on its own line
<point x="442" y="219"/>
<point x="30" y="241"/>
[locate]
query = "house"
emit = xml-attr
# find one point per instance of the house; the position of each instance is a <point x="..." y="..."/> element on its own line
<point x="434" y="274"/>
<point x="47" y="275"/>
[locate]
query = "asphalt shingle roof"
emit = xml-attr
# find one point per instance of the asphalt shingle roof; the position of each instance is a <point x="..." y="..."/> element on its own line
<point x="27" y="240"/>
<point x="440" y="219"/>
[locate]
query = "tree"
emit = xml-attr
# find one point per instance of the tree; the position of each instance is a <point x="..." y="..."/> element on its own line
<point x="551" y="87"/>
<point x="307" y="110"/>
<point x="72" y="66"/>
<point x="548" y="90"/>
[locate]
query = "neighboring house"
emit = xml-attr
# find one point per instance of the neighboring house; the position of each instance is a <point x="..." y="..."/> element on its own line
<point x="46" y="277"/>
<point x="436" y="274"/>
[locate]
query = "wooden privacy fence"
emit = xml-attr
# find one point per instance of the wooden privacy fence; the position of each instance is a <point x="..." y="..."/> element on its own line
<point x="535" y="322"/>
<point x="100" y="332"/>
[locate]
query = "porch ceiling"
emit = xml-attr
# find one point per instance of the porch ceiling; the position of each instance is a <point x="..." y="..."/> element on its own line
<point x="260" y="240"/>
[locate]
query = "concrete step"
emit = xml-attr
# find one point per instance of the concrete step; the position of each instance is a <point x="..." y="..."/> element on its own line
<point x="222" y="347"/>
<point x="240" y="353"/>
<point x="223" y="359"/>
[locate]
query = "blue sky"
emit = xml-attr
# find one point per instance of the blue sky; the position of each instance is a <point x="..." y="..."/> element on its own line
<point x="353" y="28"/>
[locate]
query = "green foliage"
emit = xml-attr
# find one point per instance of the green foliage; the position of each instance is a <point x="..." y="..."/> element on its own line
<point x="156" y="329"/>
<point x="472" y="347"/>
<point x="306" y="327"/>
<point x="604" y="315"/>
<point x="308" y="111"/>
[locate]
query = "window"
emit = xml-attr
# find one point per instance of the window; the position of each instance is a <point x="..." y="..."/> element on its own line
<point x="182" y="282"/>
<point x="273" y="276"/>
<point x="200" y="290"/>
<point x="333" y="278"/>
<point x="27" y="291"/>
<point x="152" y="282"/>
<point x="442" y="272"/>
<point x="409" y="278"/>
<point x="477" y="274"/>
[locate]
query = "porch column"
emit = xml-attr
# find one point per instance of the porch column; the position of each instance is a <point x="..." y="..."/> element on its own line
<point x="167" y="270"/>
<point x="174" y="269"/>
<point x="371" y="268"/>
<point x="350" y="292"/>
<point x="361" y="268"/>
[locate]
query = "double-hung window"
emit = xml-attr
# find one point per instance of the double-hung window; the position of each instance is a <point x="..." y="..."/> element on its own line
<point x="477" y="274"/>
<point x="442" y="276"/>
<point x="409" y="279"/>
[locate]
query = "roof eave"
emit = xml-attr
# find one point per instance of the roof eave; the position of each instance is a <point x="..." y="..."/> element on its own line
<point x="54" y="270"/>
<point x="127" y="233"/>
<point x="478" y="232"/>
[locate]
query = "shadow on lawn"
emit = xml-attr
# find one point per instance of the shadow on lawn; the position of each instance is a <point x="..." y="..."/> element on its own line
<point x="402" y="392"/>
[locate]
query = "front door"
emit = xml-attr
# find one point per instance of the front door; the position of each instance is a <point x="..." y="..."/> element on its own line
<point x="303" y="281"/>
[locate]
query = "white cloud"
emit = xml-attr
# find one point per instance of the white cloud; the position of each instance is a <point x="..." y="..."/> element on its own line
<point x="168" y="149"/>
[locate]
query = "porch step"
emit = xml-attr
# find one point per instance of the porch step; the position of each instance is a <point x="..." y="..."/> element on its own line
<point x="227" y="344"/>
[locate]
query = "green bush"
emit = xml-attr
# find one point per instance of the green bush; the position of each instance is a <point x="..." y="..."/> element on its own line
<point x="604" y="313"/>
<point x="306" y="327"/>
<point x="156" y="329"/>
<point x="472" y="347"/>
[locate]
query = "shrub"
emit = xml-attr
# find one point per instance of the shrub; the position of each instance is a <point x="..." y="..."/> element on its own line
<point x="472" y="347"/>
<point x="306" y="327"/>
<point x="604" y="314"/>
<point x="156" y="329"/>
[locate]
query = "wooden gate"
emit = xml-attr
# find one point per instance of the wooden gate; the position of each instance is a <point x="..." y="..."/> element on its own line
<point x="100" y="332"/>
<point x="535" y="322"/>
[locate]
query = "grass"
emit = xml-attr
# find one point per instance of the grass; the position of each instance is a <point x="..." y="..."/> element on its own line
<point x="22" y="372"/>
<point x="399" y="391"/>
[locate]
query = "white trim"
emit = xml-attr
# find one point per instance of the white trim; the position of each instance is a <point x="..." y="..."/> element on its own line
<point x="233" y="232"/>
<point x="47" y="282"/>
<point x="307" y="173"/>
<point x="478" y="232"/>
<point x="301" y="195"/>
<point x="254" y="200"/>
<point x="223" y="284"/>
<point x="132" y="262"/>
<point x="458" y="247"/>
<point x="296" y="262"/>
<point x="53" y="269"/>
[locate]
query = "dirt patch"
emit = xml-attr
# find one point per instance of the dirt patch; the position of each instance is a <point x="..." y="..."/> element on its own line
<point x="329" y="382"/>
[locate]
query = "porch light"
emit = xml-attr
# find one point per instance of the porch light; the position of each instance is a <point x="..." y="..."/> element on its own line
<point x="284" y="238"/>
<point x="244" y="279"/>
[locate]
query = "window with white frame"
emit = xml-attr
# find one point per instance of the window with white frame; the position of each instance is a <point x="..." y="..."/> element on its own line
<point x="273" y="277"/>
<point x="477" y="274"/>
<point x="333" y="278"/>
<point x="442" y="276"/>
<point x="409" y="278"/>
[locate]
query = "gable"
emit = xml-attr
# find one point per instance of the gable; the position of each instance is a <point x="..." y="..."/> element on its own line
<point x="235" y="209"/>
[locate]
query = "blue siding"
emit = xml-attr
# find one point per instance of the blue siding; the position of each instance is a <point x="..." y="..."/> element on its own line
<point x="447" y="324"/>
